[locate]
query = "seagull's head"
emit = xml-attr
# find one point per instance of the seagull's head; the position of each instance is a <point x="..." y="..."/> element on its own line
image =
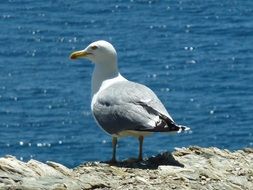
<point x="99" y="52"/>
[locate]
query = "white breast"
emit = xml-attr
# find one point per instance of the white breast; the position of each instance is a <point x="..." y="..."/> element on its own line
<point x="105" y="84"/>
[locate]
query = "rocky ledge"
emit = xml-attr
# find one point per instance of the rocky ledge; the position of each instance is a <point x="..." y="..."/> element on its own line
<point x="185" y="168"/>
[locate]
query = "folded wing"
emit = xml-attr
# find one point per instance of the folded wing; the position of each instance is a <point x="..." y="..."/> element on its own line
<point x="131" y="106"/>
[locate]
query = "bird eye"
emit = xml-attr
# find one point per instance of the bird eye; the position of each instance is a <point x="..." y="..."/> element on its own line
<point x="94" y="47"/>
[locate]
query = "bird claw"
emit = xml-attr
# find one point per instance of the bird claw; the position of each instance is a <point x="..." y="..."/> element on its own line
<point x="133" y="160"/>
<point x="112" y="162"/>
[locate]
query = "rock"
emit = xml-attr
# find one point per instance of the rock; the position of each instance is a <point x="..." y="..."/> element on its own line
<point x="185" y="168"/>
<point x="60" y="168"/>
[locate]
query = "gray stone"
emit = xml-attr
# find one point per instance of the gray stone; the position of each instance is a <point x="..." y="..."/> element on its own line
<point x="186" y="168"/>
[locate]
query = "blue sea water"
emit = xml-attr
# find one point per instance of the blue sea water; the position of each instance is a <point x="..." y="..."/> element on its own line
<point x="196" y="56"/>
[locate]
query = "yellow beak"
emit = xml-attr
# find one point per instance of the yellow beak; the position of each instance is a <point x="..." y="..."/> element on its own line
<point x="78" y="54"/>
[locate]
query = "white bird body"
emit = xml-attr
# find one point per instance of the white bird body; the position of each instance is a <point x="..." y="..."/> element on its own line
<point x="121" y="107"/>
<point x="100" y="83"/>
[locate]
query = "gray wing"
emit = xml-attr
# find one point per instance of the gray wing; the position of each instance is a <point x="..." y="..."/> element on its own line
<point x="131" y="106"/>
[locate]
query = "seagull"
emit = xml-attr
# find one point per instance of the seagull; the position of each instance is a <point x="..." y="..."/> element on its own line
<point x="121" y="107"/>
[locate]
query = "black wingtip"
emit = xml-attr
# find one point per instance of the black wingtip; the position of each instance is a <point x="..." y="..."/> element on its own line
<point x="183" y="128"/>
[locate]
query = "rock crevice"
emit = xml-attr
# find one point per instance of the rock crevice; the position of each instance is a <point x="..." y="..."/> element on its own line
<point x="185" y="168"/>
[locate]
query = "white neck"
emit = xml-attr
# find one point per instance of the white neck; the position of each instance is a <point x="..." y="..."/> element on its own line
<point x="101" y="73"/>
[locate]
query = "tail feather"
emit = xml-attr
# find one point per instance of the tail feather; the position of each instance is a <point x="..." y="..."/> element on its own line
<point x="172" y="126"/>
<point x="165" y="124"/>
<point x="183" y="128"/>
